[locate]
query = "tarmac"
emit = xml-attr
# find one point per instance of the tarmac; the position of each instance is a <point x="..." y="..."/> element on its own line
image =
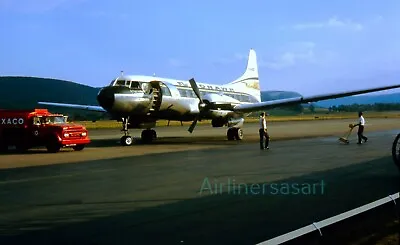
<point x="194" y="188"/>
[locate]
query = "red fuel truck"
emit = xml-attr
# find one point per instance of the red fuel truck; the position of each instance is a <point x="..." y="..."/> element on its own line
<point x="25" y="129"/>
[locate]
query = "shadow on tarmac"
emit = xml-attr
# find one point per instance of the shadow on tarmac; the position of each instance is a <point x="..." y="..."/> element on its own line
<point x="224" y="218"/>
<point x="196" y="140"/>
<point x="96" y="143"/>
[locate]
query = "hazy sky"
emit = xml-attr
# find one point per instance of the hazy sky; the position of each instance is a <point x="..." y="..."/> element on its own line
<point x="309" y="46"/>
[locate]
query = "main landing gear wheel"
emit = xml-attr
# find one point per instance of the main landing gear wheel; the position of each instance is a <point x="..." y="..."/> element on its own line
<point x="396" y="151"/>
<point x="148" y="135"/>
<point x="235" y="134"/>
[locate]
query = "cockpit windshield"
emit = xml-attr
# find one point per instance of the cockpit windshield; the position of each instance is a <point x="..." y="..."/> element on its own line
<point x="127" y="83"/>
<point x="120" y="83"/>
<point x="133" y="85"/>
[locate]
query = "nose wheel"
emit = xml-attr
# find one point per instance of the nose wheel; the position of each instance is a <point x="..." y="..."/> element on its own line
<point x="126" y="140"/>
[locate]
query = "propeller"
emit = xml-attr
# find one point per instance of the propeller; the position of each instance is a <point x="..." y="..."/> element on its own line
<point x="202" y="105"/>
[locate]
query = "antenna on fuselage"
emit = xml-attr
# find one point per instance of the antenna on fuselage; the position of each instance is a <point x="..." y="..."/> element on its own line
<point x="122" y="73"/>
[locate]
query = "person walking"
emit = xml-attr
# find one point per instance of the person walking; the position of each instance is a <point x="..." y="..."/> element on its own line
<point x="361" y="125"/>
<point x="263" y="132"/>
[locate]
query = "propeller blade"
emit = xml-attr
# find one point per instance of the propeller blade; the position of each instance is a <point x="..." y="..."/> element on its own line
<point x="192" y="126"/>
<point x="195" y="89"/>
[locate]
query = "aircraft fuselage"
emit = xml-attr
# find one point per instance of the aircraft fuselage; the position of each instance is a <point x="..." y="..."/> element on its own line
<point x="143" y="98"/>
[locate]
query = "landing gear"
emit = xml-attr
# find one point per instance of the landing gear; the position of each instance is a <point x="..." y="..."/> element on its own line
<point x="126" y="140"/>
<point x="148" y="135"/>
<point x="235" y="134"/>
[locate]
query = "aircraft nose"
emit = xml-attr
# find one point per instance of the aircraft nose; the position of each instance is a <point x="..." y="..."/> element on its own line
<point x="106" y="97"/>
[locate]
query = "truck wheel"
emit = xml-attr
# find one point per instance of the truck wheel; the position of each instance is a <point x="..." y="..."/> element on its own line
<point x="78" y="147"/>
<point x="53" y="146"/>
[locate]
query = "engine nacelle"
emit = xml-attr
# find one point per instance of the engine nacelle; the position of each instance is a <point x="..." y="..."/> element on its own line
<point x="137" y="124"/>
<point x="235" y="122"/>
<point x="219" y="117"/>
<point x="220" y="99"/>
<point x="214" y="114"/>
<point x="219" y="122"/>
<point x="231" y="122"/>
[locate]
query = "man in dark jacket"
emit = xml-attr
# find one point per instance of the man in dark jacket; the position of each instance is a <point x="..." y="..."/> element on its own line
<point x="263" y="132"/>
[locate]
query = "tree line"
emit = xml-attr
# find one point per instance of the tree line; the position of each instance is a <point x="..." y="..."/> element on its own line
<point x="366" y="107"/>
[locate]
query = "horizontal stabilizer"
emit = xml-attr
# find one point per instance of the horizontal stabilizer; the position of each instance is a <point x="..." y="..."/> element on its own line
<point x="301" y="100"/>
<point x="75" y="106"/>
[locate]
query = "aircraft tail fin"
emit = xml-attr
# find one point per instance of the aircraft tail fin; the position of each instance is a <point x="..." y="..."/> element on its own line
<point x="249" y="79"/>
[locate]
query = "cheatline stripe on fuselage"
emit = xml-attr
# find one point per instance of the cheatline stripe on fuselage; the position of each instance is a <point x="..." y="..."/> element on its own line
<point x="213" y="87"/>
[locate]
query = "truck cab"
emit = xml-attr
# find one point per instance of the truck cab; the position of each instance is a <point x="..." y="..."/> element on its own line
<point x="39" y="127"/>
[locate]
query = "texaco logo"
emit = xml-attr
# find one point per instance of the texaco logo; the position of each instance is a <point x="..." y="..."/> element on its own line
<point x="12" y="121"/>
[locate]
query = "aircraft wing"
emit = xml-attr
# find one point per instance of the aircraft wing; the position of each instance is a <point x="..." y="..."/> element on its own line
<point x="301" y="100"/>
<point x="75" y="106"/>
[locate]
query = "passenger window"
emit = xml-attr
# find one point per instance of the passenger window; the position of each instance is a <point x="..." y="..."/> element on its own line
<point x="253" y="99"/>
<point x="182" y="92"/>
<point x="165" y="90"/>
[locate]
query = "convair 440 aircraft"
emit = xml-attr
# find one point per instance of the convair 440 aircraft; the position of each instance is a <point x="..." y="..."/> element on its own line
<point x="139" y="101"/>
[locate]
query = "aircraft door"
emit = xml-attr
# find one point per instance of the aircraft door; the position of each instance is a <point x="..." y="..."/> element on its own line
<point x="155" y="90"/>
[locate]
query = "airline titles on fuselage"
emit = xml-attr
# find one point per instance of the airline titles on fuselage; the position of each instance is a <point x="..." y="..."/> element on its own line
<point x="209" y="87"/>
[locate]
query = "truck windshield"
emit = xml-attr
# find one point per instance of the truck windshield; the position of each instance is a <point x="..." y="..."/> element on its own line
<point x="54" y="119"/>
